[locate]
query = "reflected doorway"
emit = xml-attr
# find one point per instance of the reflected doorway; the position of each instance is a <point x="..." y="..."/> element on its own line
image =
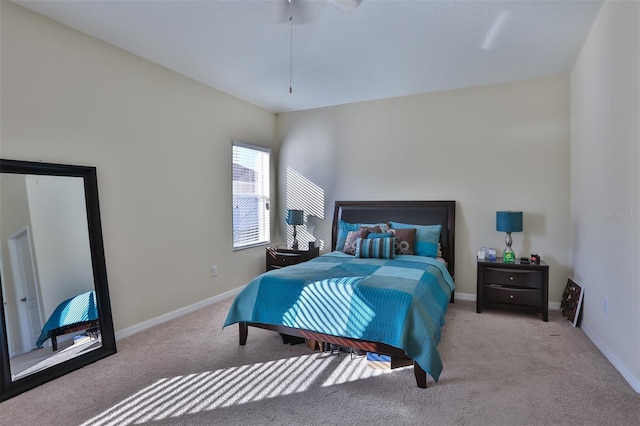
<point x="27" y="294"/>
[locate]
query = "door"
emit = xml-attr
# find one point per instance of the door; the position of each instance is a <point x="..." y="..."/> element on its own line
<point x="4" y="299"/>
<point x="25" y="281"/>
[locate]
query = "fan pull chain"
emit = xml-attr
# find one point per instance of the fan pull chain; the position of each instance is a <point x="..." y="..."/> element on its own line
<point x="290" y="49"/>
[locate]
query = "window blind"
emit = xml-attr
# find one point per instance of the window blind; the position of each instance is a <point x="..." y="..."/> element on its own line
<point x="251" y="195"/>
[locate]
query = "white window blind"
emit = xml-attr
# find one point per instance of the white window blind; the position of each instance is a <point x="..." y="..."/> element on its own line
<point x="251" y="195"/>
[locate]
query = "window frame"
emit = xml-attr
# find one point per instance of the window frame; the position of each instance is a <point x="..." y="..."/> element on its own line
<point x="263" y="195"/>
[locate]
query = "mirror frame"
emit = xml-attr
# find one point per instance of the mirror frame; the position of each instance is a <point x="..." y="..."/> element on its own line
<point x="10" y="388"/>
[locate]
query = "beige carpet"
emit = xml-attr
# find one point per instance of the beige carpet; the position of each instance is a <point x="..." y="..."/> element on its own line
<point x="501" y="368"/>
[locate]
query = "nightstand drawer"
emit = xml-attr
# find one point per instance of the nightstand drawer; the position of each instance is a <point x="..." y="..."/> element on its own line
<point x="513" y="277"/>
<point x="516" y="296"/>
<point x="281" y="258"/>
<point x="286" y="259"/>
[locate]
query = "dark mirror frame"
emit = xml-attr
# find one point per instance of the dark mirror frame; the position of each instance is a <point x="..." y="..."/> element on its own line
<point x="10" y="388"/>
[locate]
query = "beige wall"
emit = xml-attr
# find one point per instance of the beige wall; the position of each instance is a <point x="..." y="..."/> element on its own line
<point x="489" y="148"/>
<point x="162" y="147"/>
<point x="605" y="184"/>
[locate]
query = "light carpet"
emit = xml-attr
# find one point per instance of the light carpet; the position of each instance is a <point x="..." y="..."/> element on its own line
<point x="500" y="368"/>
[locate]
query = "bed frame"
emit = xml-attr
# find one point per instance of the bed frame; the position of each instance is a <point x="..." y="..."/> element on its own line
<point x="91" y="326"/>
<point x="415" y="212"/>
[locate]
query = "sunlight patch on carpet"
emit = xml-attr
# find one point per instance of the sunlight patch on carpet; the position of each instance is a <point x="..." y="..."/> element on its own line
<point x="173" y="397"/>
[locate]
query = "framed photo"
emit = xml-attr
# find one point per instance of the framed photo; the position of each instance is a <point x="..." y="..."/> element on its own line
<point x="572" y="302"/>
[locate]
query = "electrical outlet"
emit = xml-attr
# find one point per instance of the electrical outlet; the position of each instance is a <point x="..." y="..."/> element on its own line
<point x="214" y="271"/>
<point x="606" y="306"/>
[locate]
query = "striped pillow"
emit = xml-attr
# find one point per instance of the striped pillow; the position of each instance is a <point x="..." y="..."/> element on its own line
<point x="382" y="248"/>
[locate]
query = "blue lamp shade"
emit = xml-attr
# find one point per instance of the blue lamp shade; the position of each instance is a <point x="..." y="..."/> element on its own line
<point x="509" y="221"/>
<point x="295" y="217"/>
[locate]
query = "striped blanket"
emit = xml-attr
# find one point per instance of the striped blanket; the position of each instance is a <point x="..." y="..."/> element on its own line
<point x="78" y="309"/>
<point x="400" y="302"/>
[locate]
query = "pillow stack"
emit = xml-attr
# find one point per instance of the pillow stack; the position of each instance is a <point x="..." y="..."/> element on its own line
<point x="361" y="240"/>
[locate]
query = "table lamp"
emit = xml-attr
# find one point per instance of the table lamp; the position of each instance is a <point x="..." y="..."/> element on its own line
<point x="508" y="221"/>
<point x="295" y="217"/>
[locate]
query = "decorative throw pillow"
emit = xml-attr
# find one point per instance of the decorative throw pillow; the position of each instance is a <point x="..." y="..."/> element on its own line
<point x="427" y="238"/>
<point x="380" y="235"/>
<point x="345" y="227"/>
<point x="405" y="239"/>
<point x="352" y="239"/>
<point x="381" y="248"/>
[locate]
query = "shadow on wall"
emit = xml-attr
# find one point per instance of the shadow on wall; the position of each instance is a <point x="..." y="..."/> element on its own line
<point x="302" y="194"/>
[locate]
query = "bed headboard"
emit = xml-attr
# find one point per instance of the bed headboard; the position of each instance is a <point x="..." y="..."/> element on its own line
<point x="416" y="212"/>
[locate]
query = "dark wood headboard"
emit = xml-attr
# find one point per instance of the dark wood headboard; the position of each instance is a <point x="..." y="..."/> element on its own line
<point x="416" y="212"/>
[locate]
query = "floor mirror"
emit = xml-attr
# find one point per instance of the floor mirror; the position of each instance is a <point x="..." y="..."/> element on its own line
<point x="55" y="313"/>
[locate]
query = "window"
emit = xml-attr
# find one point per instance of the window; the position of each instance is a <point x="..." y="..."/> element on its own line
<point x="251" y="195"/>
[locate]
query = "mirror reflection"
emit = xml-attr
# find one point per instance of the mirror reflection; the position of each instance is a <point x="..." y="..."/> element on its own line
<point x="46" y="271"/>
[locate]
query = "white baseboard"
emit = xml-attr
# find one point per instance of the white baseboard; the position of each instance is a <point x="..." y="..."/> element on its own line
<point x="145" y="325"/>
<point x="467" y="297"/>
<point x="470" y="297"/>
<point x="606" y="351"/>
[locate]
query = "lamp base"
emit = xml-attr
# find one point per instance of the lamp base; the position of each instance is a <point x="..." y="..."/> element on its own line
<point x="508" y="256"/>
<point x="508" y="241"/>
<point x="294" y="243"/>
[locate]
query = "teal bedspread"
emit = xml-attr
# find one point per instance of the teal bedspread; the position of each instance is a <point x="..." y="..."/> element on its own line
<point x="400" y="302"/>
<point x="78" y="309"/>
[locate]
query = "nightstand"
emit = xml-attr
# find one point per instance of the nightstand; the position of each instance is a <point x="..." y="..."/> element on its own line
<point x="520" y="286"/>
<point x="277" y="258"/>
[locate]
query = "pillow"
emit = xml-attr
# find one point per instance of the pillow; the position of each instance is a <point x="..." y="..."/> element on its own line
<point x="427" y="238"/>
<point x="380" y="235"/>
<point x="405" y="238"/>
<point x="345" y="227"/>
<point x="352" y="239"/>
<point x="381" y="248"/>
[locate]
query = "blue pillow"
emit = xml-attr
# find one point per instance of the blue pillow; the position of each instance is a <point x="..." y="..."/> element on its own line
<point x="378" y="235"/>
<point x="380" y="248"/>
<point x="427" y="238"/>
<point x="344" y="228"/>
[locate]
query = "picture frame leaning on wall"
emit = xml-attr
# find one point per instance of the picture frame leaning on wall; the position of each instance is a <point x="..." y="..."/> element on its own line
<point x="571" y="303"/>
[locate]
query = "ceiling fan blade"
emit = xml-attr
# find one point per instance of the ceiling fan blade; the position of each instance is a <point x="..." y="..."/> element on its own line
<point x="305" y="11"/>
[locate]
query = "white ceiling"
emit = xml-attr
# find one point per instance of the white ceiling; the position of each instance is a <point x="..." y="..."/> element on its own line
<point x="381" y="49"/>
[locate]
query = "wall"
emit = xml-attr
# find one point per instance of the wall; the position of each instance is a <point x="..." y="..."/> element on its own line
<point x="502" y="147"/>
<point x="162" y="147"/>
<point x="60" y="236"/>
<point x="605" y="184"/>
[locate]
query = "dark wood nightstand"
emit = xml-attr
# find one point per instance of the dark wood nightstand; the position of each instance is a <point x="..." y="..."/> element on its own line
<point x="520" y="286"/>
<point x="279" y="258"/>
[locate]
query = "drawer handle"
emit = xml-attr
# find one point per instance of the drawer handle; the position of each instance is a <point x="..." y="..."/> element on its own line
<point x="511" y="296"/>
<point x="511" y="278"/>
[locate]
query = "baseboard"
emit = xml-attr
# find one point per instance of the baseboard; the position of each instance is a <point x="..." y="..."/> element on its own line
<point x="617" y="364"/>
<point x="471" y="297"/>
<point x="467" y="297"/>
<point x="145" y="325"/>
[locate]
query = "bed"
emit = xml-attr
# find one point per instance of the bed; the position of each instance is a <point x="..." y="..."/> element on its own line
<point x="75" y="314"/>
<point x="392" y="304"/>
